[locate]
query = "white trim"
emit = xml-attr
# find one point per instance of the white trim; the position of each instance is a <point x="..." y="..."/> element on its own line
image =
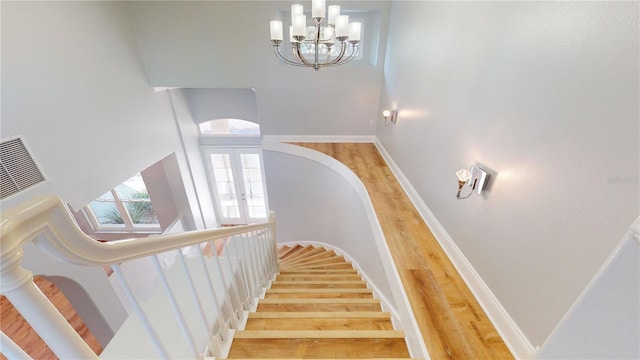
<point x="320" y="138"/>
<point x="413" y="335"/>
<point x="512" y="335"/>
<point x="568" y="316"/>
<point x="635" y="229"/>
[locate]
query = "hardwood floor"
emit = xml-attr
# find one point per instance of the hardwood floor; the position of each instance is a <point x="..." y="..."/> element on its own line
<point x="17" y="328"/>
<point x="452" y="322"/>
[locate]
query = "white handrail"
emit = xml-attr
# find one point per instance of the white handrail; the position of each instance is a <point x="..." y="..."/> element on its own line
<point x="48" y="223"/>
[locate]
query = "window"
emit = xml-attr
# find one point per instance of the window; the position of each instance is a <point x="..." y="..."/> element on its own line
<point x="229" y="127"/>
<point x="308" y="50"/>
<point x="125" y="208"/>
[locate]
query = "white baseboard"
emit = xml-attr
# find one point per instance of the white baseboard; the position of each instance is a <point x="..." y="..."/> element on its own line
<point x="320" y="138"/>
<point x="512" y="335"/>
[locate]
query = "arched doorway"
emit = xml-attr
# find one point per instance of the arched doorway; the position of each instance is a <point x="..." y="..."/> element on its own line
<point x="232" y="153"/>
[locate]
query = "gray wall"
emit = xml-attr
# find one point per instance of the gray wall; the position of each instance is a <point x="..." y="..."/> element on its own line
<point x="73" y="87"/>
<point x="314" y="203"/>
<point x="605" y="321"/>
<point x="225" y="44"/>
<point x="545" y="95"/>
<point x="211" y="104"/>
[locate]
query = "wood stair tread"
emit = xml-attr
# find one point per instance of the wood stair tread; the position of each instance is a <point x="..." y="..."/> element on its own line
<point x="319" y="301"/>
<point x="320" y="282"/>
<point x="318" y="306"/>
<point x="316" y="290"/>
<point x="319" y="334"/>
<point x="321" y="315"/>
<point x="310" y="261"/>
<point x="306" y="255"/>
<point x="318" y="271"/>
<point x="311" y="278"/>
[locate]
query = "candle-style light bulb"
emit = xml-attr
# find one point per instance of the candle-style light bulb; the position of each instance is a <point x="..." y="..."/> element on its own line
<point x="342" y="26"/>
<point x="354" y="31"/>
<point x="317" y="9"/>
<point x="299" y="25"/>
<point x="334" y="12"/>
<point x="296" y="9"/>
<point x="276" y="30"/>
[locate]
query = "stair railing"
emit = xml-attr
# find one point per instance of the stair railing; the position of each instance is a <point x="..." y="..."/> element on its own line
<point x="247" y="262"/>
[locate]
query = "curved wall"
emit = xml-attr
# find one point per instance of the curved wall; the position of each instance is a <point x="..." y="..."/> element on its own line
<point x="318" y="199"/>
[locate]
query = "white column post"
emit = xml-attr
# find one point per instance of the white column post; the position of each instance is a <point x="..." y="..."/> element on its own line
<point x="11" y="350"/>
<point x="17" y="285"/>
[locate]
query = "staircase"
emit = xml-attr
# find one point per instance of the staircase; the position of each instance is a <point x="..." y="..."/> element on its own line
<point x="318" y="307"/>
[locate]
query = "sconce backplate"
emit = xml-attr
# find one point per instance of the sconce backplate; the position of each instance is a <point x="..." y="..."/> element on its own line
<point x="478" y="179"/>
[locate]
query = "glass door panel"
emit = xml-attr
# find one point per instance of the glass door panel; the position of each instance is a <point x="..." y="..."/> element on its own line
<point x="225" y="187"/>
<point x="238" y="185"/>
<point x="253" y="186"/>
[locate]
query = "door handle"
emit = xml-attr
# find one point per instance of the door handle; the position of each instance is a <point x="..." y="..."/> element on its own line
<point x="244" y="197"/>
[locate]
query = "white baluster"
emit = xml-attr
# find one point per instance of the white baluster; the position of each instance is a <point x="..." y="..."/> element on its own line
<point x="247" y="265"/>
<point x="266" y="243"/>
<point x="244" y="270"/>
<point x="11" y="350"/>
<point x="176" y="309"/>
<point x="228" y="294"/>
<point x="194" y="293"/>
<point x="141" y="314"/>
<point x="221" y="318"/>
<point x="17" y="285"/>
<point x="255" y="244"/>
<point x="233" y="274"/>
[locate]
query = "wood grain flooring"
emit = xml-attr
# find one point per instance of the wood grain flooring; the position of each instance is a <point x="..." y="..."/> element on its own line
<point x="17" y="328"/>
<point x="452" y="323"/>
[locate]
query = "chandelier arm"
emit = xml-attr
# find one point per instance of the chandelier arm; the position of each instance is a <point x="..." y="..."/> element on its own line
<point x="317" y="47"/>
<point x="326" y="59"/>
<point x="353" y="55"/>
<point x="346" y="60"/>
<point x="276" y="50"/>
<point x="338" y="58"/>
<point x="299" y="56"/>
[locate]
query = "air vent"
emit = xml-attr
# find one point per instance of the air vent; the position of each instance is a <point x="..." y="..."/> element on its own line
<point x="18" y="170"/>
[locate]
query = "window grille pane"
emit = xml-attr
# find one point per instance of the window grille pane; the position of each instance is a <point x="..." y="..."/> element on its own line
<point x="141" y="212"/>
<point x="132" y="196"/>
<point x="106" y="212"/>
<point x="225" y="185"/>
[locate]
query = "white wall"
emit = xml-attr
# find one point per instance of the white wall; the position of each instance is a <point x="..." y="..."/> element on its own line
<point x="111" y="314"/>
<point x="74" y="88"/>
<point x="318" y="199"/>
<point x="193" y="171"/>
<point x="210" y="104"/>
<point x="604" y="323"/>
<point x="314" y="203"/>
<point x="545" y="95"/>
<point x="225" y="44"/>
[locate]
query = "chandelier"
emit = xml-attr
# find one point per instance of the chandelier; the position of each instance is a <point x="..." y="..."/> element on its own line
<point x="320" y="45"/>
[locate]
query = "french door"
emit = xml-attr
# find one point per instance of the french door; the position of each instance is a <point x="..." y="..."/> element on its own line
<point x="236" y="177"/>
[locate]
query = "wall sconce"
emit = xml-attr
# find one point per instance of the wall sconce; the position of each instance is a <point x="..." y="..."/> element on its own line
<point x="475" y="178"/>
<point x="390" y="116"/>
